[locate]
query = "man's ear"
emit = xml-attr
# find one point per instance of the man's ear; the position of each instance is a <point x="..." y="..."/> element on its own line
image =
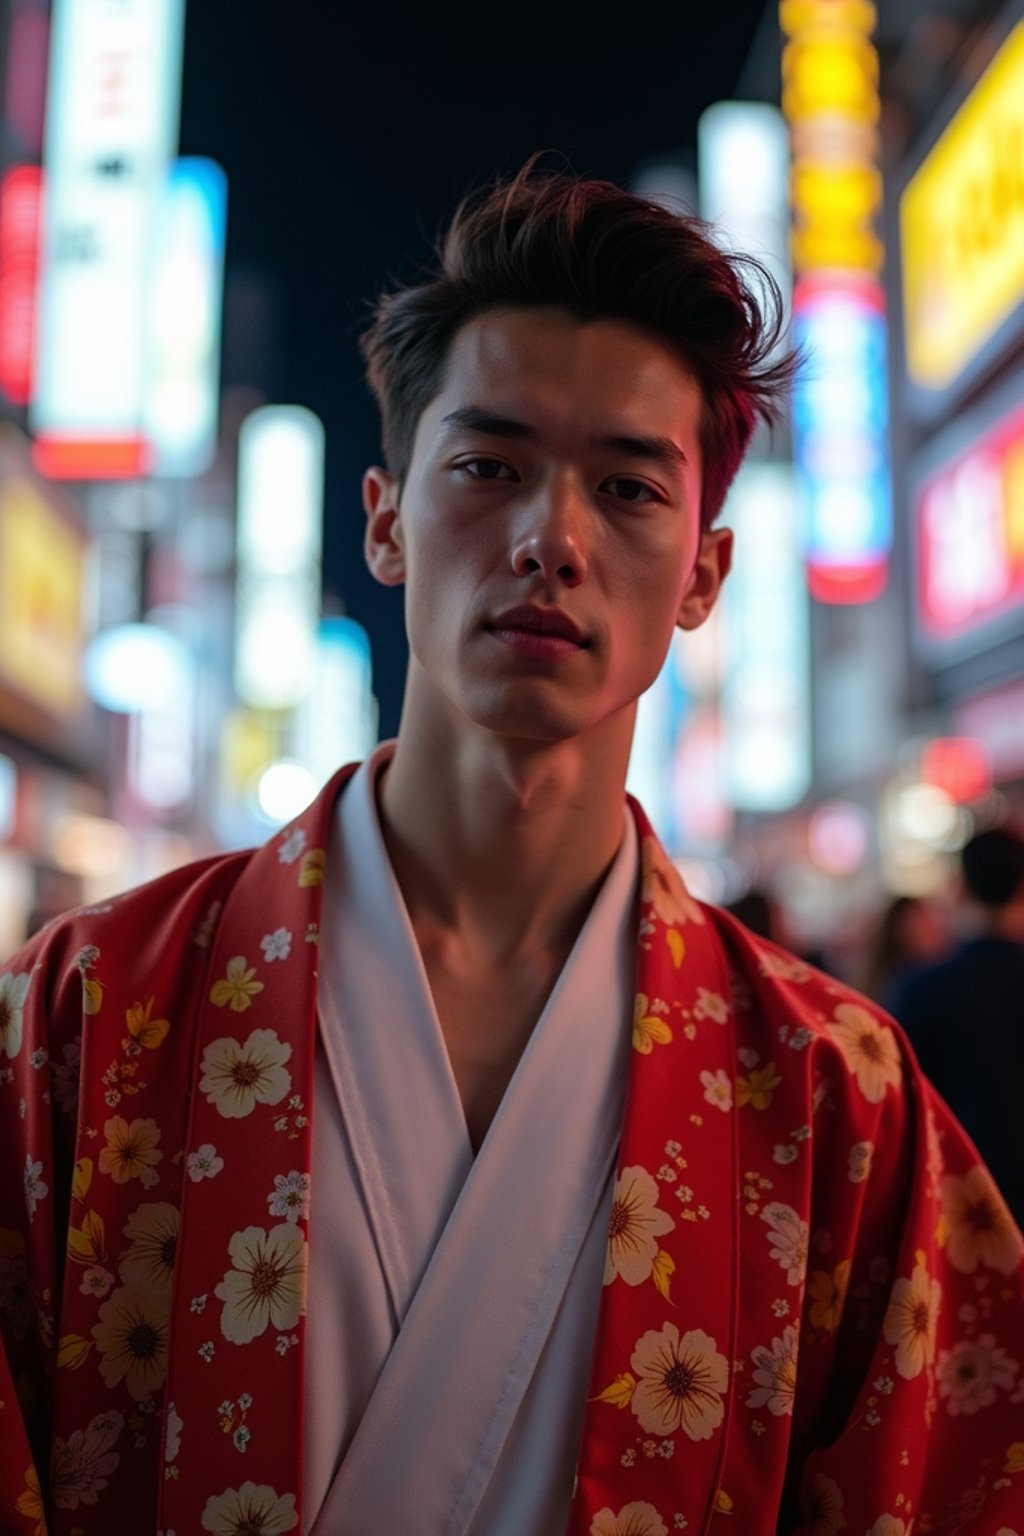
<point x="383" y="543"/>
<point x="714" y="557"/>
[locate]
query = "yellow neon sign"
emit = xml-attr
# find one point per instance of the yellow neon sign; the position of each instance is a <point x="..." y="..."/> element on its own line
<point x="962" y="226"/>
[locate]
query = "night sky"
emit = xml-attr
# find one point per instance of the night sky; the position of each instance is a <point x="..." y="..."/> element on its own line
<point x="349" y="130"/>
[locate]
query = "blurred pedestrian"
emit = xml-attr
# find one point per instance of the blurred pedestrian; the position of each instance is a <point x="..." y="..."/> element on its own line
<point x="965" y="1015"/>
<point x="911" y="932"/>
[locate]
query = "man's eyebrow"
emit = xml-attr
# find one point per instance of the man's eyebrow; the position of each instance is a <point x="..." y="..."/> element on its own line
<point x="472" y="419"/>
<point x="661" y="450"/>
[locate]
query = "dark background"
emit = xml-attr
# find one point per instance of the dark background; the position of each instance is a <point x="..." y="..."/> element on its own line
<point x="348" y="133"/>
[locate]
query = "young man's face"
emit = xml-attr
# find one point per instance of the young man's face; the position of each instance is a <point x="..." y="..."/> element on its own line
<point x="548" y="530"/>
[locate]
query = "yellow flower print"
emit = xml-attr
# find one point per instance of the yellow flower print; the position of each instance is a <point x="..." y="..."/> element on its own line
<point x="1014" y="1457"/>
<point x="30" y="1502"/>
<point x="72" y="1352"/>
<point x="620" y="1393"/>
<point x="253" y="1507"/>
<point x="912" y="1320"/>
<point x="238" y="989"/>
<point x="82" y="1178"/>
<point x="92" y="995"/>
<point x="131" y="1151"/>
<point x="757" y="1088"/>
<point x="827" y="1295"/>
<point x="662" y="888"/>
<point x="634" y="1226"/>
<point x="680" y="1383"/>
<point x="636" y="1519"/>
<point x="131" y="1337"/>
<point x="648" y="1029"/>
<point x="979" y="1226"/>
<point x="869" y="1048"/>
<point x="88" y="1243"/>
<point x="311" y="869"/>
<point x="147" y="1031"/>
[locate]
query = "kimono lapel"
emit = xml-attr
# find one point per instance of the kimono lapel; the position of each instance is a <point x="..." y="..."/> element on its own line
<point x="654" y="1435"/>
<point x="466" y="1356"/>
<point x="233" y="1420"/>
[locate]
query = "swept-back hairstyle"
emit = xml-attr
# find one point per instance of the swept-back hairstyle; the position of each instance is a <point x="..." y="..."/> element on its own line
<point x="551" y="239"/>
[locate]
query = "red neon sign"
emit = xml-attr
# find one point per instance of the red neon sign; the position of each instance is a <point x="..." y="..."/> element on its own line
<point x="21" y="196"/>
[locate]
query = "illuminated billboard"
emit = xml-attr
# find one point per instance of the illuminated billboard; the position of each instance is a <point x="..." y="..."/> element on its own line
<point x="962" y="236"/>
<point x="968" y="530"/>
<point x="840" y="402"/>
<point x="766" y="692"/>
<point x="111" y="129"/>
<point x="280" y="530"/>
<point x="840" y="438"/>
<point x="184" y="315"/>
<point x="21" y="195"/>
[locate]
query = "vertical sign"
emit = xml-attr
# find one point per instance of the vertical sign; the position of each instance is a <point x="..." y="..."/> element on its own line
<point x="111" y="129"/>
<point x="840" y="401"/>
<point x="183" y="377"/>
<point x="280" y="526"/>
<point x="20" y="209"/>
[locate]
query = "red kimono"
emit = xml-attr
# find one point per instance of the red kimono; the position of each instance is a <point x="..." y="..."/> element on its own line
<point x="813" y="1317"/>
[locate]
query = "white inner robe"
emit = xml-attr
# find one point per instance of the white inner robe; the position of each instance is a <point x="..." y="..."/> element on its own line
<point x="453" y="1300"/>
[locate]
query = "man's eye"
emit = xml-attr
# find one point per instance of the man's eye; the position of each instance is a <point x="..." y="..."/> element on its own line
<point x="628" y="489"/>
<point x="487" y="469"/>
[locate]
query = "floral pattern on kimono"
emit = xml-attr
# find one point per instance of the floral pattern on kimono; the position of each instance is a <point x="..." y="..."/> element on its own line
<point x="811" y="1316"/>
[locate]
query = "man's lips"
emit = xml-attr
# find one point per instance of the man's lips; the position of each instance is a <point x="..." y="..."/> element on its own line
<point x="547" y="623"/>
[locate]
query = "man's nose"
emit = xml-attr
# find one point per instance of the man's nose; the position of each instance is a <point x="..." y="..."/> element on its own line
<point x="551" y="541"/>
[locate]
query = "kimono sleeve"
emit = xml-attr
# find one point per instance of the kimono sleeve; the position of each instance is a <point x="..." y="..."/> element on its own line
<point x="929" y="1322"/>
<point x="40" y="1022"/>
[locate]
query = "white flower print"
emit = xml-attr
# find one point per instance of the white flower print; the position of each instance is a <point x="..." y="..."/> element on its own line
<point x="869" y="1048"/>
<point x="266" y="1285"/>
<point x="711" y="1005"/>
<point x="81" y="1465"/>
<point x="292" y="846"/>
<point x="35" y="1189"/>
<point x="175" y="1425"/>
<point x="717" y="1088"/>
<point x="775" y="1376"/>
<point x="632" y="1520"/>
<point x="912" y="1319"/>
<point x="784" y="1153"/>
<point x="276" y="945"/>
<point x="634" y="1226"/>
<point x="204" y="1163"/>
<point x="235" y="1077"/>
<point x="972" y="1372"/>
<point x="12" y="1011"/>
<point x="290" y="1196"/>
<point x="252" y="1510"/>
<point x="789" y="1237"/>
<point x="680" y="1383"/>
<point x="149" y="1262"/>
<point x="96" y="1281"/>
<point x="131" y="1337"/>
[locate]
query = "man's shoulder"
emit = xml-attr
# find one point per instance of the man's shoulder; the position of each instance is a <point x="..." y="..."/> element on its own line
<point x="166" y="902"/>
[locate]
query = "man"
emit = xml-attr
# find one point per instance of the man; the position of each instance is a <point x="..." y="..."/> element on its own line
<point x="965" y="1014"/>
<point x="556" y="1144"/>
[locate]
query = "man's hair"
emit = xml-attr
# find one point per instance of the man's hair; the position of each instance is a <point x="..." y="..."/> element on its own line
<point x="588" y="247"/>
<point x="993" y="866"/>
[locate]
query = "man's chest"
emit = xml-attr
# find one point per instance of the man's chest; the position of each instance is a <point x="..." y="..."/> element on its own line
<point x="487" y="1015"/>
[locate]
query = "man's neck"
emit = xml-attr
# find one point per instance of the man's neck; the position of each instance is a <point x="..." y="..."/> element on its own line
<point x="500" y="844"/>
